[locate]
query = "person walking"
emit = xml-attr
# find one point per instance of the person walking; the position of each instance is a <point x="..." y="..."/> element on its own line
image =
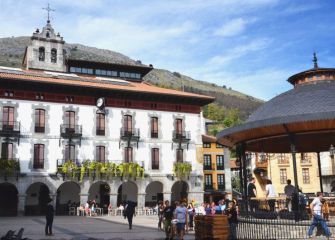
<point x="49" y="218"/>
<point x="181" y="214"/>
<point x="289" y="190"/>
<point x="232" y="220"/>
<point x="160" y="214"/>
<point x="167" y="218"/>
<point x="129" y="212"/>
<point x="316" y="208"/>
<point x="252" y="193"/>
<point x="270" y="193"/>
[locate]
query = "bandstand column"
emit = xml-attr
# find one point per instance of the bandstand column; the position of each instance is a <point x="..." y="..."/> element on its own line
<point x="294" y="159"/>
<point x="141" y="200"/>
<point x="21" y="203"/>
<point x="320" y="174"/>
<point x="245" y="181"/>
<point x="113" y="199"/>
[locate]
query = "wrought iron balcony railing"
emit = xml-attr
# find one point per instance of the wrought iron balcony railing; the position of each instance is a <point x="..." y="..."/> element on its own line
<point x="10" y="128"/>
<point x="132" y="133"/>
<point x="181" y="136"/>
<point x="70" y="131"/>
<point x="39" y="129"/>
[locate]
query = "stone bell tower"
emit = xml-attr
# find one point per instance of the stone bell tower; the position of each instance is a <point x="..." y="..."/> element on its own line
<point x="46" y="51"/>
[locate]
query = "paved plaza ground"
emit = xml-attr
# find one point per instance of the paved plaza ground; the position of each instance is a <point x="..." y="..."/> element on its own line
<point x="73" y="227"/>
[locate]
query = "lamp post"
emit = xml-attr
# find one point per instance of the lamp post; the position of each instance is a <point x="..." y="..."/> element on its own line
<point x="331" y="154"/>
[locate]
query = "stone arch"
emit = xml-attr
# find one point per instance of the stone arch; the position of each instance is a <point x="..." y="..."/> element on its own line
<point x="99" y="191"/>
<point x="179" y="191"/>
<point x="38" y="195"/>
<point x="8" y="199"/>
<point x="153" y="193"/>
<point x="127" y="191"/>
<point x="67" y="193"/>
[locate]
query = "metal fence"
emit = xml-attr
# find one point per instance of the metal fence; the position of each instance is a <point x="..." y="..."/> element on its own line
<point x="256" y="221"/>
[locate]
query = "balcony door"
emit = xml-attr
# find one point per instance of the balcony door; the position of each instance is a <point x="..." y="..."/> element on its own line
<point x="100" y="154"/>
<point x="38" y="156"/>
<point x="7" y="151"/>
<point x="128" y="154"/>
<point x="70" y="117"/>
<point x="208" y="181"/>
<point x="70" y="153"/>
<point x="128" y="124"/>
<point x="154" y="127"/>
<point x="179" y="127"/>
<point x="8" y="118"/>
<point x="100" y="124"/>
<point x="179" y="154"/>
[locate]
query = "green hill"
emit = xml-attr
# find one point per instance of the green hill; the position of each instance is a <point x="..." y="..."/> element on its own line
<point x="12" y="50"/>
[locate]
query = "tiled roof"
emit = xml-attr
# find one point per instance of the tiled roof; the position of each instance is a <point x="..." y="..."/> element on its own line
<point x="208" y="139"/>
<point x="304" y="99"/>
<point x="94" y="82"/>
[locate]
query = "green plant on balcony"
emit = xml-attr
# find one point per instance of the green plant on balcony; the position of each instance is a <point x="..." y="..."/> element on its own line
<point x="69" y="169"/>
<point x="9" y="166"/>
<point x="130" y="170"/>
<point x="182" y="170"/>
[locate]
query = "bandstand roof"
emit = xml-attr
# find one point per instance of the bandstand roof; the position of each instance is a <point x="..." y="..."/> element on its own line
<point x="307" y="111"/>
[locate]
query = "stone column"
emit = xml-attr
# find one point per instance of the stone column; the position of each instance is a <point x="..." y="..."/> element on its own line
<point x="140" y="200"/>
<point x="167" y="196"/>
<point x="21" y="204"/>
<point x="83" y="198"/>
<point x="227" y="172"/>
<point x="113" y="199"/>
<point x="197" y="196"/>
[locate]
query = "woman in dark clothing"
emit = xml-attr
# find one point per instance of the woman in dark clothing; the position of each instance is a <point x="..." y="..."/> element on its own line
<point x="129" y="212"/>
<point x="232" y="219"/>
<point x="49" y="218"/>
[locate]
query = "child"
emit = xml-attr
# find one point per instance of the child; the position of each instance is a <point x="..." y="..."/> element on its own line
<point x="325" y="209"/>
<point x="232" y="219"/>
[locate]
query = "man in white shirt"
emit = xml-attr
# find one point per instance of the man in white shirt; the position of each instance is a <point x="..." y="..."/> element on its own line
<point x="316" y="208"/>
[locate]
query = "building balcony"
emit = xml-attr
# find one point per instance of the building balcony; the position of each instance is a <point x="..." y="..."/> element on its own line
<point x="39" y="129"/>
<point x="10" y="129"/>
<point x="306" y="160"/>
<point x="262" y="164"/>
<point x="210" y="187"/>
<point x="283" y="160"/>
<point x="221" y="187"/>
<point x="100" y="132"/>
<point x="154" y="134"/>
<point x="129" y="135"/>
<point x="209" y="167"/>
<point x="9" y="167"/>
<point x="70" y="131"/>
<point x="220" y="167"/>
<point x="181" y="136"/>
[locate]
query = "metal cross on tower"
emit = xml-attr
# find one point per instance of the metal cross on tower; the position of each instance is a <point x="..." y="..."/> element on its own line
<point x="48" y="9"/>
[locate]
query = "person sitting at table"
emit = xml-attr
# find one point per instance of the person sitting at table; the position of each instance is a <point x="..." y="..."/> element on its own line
<point x="87" y="208"/>
<point x="93" y="208"/>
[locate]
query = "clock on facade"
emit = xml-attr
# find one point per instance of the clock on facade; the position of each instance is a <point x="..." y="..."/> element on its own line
<point x="100" y="102"/>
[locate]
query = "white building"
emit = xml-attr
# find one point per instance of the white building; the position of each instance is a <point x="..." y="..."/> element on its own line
<point x="59" y="113"/>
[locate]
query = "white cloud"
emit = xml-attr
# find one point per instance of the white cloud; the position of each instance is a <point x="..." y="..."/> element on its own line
<point x="240" y="51"/>
<point x="231" y="28"/>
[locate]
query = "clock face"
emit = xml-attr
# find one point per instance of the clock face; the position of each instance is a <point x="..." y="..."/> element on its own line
<point x="100" y="102"/>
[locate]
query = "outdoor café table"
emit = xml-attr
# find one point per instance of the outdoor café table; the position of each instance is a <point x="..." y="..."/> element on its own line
<point x="98" y="211"/>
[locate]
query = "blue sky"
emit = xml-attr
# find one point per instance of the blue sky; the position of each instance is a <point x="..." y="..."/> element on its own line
<point x="252" y="46"/>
